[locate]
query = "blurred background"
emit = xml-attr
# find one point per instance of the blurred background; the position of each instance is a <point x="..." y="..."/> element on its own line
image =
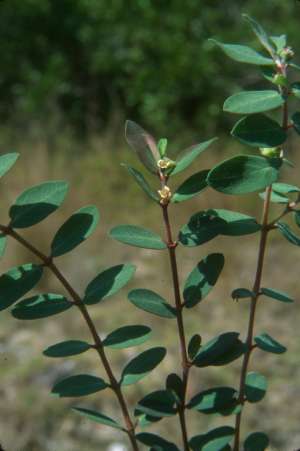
<point x="71" y="72"/>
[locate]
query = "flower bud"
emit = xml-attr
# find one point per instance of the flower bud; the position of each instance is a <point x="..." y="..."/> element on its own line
<point x="165" y="195"/>
<point x="287" y="53"/>
<point x="165" y="163"/>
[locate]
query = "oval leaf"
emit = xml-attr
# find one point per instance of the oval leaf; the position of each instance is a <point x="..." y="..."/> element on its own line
<point x="244" y="54"/>
<point x="287" y="232"/>
<point x="202" y="227"/>
<point x="285" y="188"/>
<point x="108" y="282"/>
<point x="268" y="344"/>
<point x="41" y="306"/>
<point x="142" y="365"/>
<point x="255" y="387"/>
<point x="156" y="442"/>
<point x="160" y="403"/>
<point x="214" y="400"/>
<point x="249" y="102"/>
<point x="244" y="174"/>
<point x="98" y="417"/>
<point x="186" y="158"/>
<point x="257" y="441"/>
<point x="79" y="385"/>
<point x="36" y="203"/>
<point x="241" y="293"/>
<point x="191" y="187"/>
<point x="7" y="161"/>
<point x="259" y="130"/>
<point x="17" y="282"/>
<point x="214" y="440"/>
<point x="127" y="336"/>
<point x="142" y="182"/>
<point x="194" y="346"/>
<point x="221" y="350"/>
<point x="137" y="236"/>
<point x="202" y="279"/>
<point x="277" y="295"/>
<point x="75" y="230"/>
<point x="151" y="302"/>
<point x="67" y="348"/>
<point x="143" y="144"/>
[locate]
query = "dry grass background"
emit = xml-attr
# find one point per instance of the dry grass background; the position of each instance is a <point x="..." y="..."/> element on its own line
<point x="32" y="420"/>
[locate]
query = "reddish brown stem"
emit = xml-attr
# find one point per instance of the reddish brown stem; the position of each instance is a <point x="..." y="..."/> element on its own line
<point x="48" y="262"/>
<point x="178" y="304"/>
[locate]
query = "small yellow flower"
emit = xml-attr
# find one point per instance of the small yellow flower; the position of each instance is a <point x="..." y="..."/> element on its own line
<point x="165" y="195"/>
<point x="165" y="163"/>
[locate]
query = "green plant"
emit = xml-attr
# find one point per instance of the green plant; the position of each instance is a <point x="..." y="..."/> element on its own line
<point x="238" y="175"/>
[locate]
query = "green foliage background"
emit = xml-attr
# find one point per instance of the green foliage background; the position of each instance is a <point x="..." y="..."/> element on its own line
<point x="84" y="60"/>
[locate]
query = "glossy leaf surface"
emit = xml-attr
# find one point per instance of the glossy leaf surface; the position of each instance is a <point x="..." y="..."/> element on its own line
<point x="151" y="302"/>
<point x="202" y="279"/>
<point x="79" y="385"/>
<point x="67" y="348"/>
<point x="244" y="174"/>
<point x="36" y="203"/>
<point x="259" y="130"/>
<point x="250" y="102"/>
<point x="75" y="230"/>
<point x="108" y="283"/>
<point x="137" y="236"/>
<point x="41" y="306"/>
<point x="18" y="281"/>
<point x="142" y="365"/>
<point x="255" y="387"/>
<point x="127" y="336"/>
<point x="191" y="187"/>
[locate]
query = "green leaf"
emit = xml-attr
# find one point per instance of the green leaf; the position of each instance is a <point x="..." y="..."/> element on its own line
<point x="244" y="54"/>
<point x="142" y="365"/>
<point x="214" y="400"/>
<point x="18" y="281"/>
<point x="75" y="230"/>
<point x="244" y="174"/>
<point x="249" y="102"/>
<point x="160" y="403"/>
<point x="143" y="144"/>
<point x="241" y="293"/>
<point x="175" y="386"/>
<point x="296" y="122"/>
<point x="194" y="346"/>
<point x="7" y="161"/>
<point x="294" y="66"/>
<point x="202" y="279"/>
<point x="297" y="218"/>
<point x="202" y="227"/>
<point x="269" y="73"/>
<point x="142" y="182"/>
<point x="79" y="385"/>
<point x="259" y="130"/>
<point x="206" y="225"/>
<point x="137" y="236"/>
<point x="151" y="302"/>
<point x="276" y="294"/>
<point x="285" y="188"/>
<point x="3" y="243"/>
<point x="127" y="336"/>
<point x="191" y="187"/>
<point x="288" y="233"/>
<point x="98" y="417"/>
<point x="156" y="442"/>
<point x="36" y="203"/>
<point x="67" y="348"/>
<point x="41" y="306"/>
<point x="108" y="283"/>
<point x="255" y="387"/>
<point x="279" y="41"/>
<point x="260" y="33"/>
<point x="186" y="158"/>
<point x="268" y="344"/>
<point x="223" y="349"/>
<point x="275" y="198"/>
<point x="257" y="441"/>
<point x="162" y="146"/>
<point x="296" y="89"/>
<point x="214" y="440"/>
